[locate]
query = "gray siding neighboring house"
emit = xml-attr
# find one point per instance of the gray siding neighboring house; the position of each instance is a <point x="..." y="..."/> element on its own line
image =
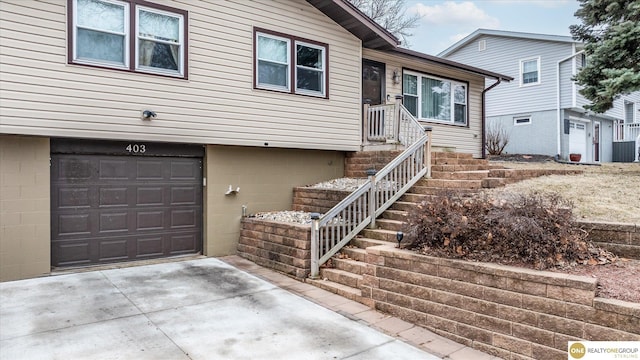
<point x="542" y="109"/>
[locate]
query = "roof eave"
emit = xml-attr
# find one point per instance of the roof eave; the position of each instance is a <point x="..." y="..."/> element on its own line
<point x="454" y="64"/>
<point x="345" y="14"/>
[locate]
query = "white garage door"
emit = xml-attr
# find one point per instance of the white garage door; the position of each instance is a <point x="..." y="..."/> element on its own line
<point x="578" y="139"/>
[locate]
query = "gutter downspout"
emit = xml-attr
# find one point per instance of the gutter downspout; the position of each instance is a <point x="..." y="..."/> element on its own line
<point x="484" y="120"/>
<point x="558" y="109"/>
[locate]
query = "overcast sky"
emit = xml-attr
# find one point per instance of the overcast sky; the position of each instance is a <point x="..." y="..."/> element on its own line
<point x="445" y="22"/>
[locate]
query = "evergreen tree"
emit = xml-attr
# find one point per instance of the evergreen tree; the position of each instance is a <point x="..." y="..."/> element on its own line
<point x="610" y="30"/>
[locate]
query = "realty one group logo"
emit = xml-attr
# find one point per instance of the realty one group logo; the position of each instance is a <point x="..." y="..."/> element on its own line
<point x="603" y="350"/>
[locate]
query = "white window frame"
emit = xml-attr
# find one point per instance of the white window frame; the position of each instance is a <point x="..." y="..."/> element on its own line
<point x="125" y="64"/>
<point x="322" y="70"/>
<point x="482" y="45"/>
<point x="527" y="122"/>
<point x="131" y="30"/>
<point x="267" y="86"/>
<point x="292" y="65"/>
<point x="150" y="69"/>
<point x="537" y="59"/>
<point x="452" y="86"/>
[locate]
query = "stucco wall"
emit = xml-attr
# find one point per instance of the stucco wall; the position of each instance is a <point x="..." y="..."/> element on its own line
<point x="266" y="178"/>
<point x="24" y="207"/>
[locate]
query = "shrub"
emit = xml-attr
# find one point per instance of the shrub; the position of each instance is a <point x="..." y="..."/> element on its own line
<point x="533" y="229"/>
<point x="497" y="139"/>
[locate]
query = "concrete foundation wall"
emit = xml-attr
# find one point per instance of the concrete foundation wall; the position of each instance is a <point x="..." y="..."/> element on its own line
<point x="266" y="177"/>
<point x="24" y="207"/>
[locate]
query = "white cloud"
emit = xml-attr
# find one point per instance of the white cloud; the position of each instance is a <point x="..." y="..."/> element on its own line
<point x="540" y="3"/>
<point x="455" y="13"/>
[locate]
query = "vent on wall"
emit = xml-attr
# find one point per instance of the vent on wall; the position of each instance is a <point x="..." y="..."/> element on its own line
<point x="482" y="45"/>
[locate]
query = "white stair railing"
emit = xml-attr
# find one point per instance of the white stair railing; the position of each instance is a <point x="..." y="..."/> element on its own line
<point x="333" y="230"/>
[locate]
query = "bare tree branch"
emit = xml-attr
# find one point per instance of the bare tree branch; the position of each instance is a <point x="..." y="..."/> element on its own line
<point x="391" y="15"/>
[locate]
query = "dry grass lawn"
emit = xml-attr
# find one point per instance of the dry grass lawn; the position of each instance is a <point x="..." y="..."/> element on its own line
<point x="609" y="192"/>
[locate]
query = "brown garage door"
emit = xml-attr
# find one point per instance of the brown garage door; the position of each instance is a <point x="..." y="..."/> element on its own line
<point x="120" y="201"/>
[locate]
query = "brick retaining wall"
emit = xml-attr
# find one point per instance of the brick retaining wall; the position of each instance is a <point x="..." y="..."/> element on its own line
<point x="283" y="247"/>
<point x="509" y="312"/>
<point x="316" y="200"/>
<point x="621" y="239"/>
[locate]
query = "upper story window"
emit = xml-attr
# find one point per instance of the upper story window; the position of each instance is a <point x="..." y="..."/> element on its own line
<point x="530" y="71"/>
<point x="434" y="99"/>
<point x="583" y="60"/>
<point x="290" y="64"/>
<point x="131" y="35"/>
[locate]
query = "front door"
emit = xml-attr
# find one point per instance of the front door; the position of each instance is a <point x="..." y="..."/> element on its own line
<point x="596" y="141"/>
<point x="373" y="74"/>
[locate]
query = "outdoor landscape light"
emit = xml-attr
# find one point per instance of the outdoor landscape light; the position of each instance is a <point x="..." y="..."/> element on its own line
<point x="399" y="236"/>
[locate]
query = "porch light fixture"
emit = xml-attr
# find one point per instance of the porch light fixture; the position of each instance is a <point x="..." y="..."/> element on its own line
<point x="395" y="77"/>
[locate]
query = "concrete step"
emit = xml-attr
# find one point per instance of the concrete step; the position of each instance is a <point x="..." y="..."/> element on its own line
<point x="416" y="198"/>
<point x="403" y="206"/>
<point x="460" y="175"/>
<point x="364" y="242"/>
<point x="389" y="224"/>
<point x="460" y="167"/>
<point x="354" y="253"/>
<point x="454" y="184"/>
<point x="380" y="234"/>
<point x="341" y="277"/>
<point x="450" y="155"/>
<point x="350" y="265"/>
<point x="433" y="190"/>
<point x="342" y="290"/>
<point x="392" y="214"/>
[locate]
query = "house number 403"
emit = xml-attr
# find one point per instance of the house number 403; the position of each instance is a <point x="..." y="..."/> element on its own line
<point x="136" y="148"/>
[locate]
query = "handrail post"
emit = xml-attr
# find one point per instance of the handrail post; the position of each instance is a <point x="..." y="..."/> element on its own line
<point x="427" y="150"/>
<point x="398" y="117"/>
<point x="365" y="121"/>
<point x="371" y="174"/>
<point x="315" y="256"/>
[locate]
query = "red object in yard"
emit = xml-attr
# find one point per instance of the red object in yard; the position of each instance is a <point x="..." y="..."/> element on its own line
<point x="575" y="157"/>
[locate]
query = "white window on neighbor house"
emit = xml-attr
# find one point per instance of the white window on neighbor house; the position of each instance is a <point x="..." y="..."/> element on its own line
<point x="126" y="35"/>
<point x="522" y="120"/>
<point x="628" y="112"/>
<point x="434" y="99"/>
<point x="583" y="60"/>
<point x="482" y="45"/>
<point x="530" y="71"/>
<point x="290" y="64"/>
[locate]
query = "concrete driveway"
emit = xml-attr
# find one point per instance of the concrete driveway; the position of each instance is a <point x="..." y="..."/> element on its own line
<point x="196" y="309"/>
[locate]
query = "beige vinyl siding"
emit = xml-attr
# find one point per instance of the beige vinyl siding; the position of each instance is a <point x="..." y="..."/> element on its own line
<point x="463" y="139"/>
<point x="43" y="95"/>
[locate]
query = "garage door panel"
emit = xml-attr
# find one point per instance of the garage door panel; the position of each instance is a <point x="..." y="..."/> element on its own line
<point x="113" y="196"/>
<point x="150" y="246"/>
<point x="182" y="244"/>
<point x="74" y="169"/>
<point x="111" y="222"/>
<point x="150" y="196"/>
<point x="183" y="218"/>
<point x="183" y="195"/>
<point x="73" y="224"/>
<point x="114" y="170"/>
<point x="108" y="208"/>
<point x="73" y="197"/>
<point x="150" y="170"/>
<point x="72" y="253"/>
<point x="181" y="169"/>
<point x="112" y="250"/>
<point x="150" y="220"/>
